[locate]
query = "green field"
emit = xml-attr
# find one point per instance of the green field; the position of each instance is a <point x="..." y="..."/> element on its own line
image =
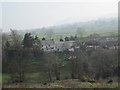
<point x="56" y="37"/>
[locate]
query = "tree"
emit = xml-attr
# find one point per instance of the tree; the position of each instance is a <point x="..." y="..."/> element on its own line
<point x="36" y="37"/>
<point x="5" y="57"/>
<point x="48" y="66"/>
<point x="37" y="47"/>
<point x="17" y="59"/>
<point x="72" y="38"/>
<point x="43" y="38"/>
<point x="104" y="62"/>
<point x="66" y="38"/>
<point x="15" y="39"/>
<point x="20" y="64"/>
<point x="75" y="36"/>
<point x="79" y="63"/>
<point x="7" y="44"/>
<point x="52" y="65"/>
<point x="4" y="39"/>
<point x="61" y="40"/>
<point x="28" y="40"/>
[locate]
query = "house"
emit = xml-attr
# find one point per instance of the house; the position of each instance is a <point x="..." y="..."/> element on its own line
<point x="105" y="42"/>
<point x="59" y="46"/>
<point x="48" y="45"/>
<point x="93" y="44"/>
<point x="66" y="45"/>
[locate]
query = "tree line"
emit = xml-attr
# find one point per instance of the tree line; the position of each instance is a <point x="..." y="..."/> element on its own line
<point x="18" y="56"/>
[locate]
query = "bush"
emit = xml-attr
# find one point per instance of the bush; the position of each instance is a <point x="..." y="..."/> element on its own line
<point x="86" y="79"/>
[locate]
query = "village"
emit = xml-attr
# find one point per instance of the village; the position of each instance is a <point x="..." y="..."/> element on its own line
<point x="70" y="43"/>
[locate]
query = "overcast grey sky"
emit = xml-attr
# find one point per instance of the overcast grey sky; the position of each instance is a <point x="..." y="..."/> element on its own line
<point x="42" y="14"/>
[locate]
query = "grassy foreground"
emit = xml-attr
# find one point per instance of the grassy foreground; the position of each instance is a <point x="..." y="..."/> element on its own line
<point x="70" y="83"/>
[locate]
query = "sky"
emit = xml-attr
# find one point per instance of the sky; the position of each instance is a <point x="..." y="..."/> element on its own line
<point x="29" y="15"/>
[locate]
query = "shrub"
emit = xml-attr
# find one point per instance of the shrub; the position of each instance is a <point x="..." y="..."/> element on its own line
<point x="86" y="79"/>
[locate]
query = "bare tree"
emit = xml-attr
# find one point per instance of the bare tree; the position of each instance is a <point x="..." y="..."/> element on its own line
<point x="52" y="65"/>
<point x="79" y="64"/>
<point x="104" y="62"/>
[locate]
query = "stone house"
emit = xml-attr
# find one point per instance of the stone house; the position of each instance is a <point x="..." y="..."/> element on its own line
<point x="48" y="45"/>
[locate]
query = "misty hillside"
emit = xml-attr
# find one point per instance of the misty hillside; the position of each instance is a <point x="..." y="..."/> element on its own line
<point x="99" y="25"/>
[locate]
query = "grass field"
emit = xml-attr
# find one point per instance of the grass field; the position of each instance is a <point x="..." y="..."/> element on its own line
<point x="56" y="37"/>
<point x="70" y="83"/>
<point x="36" y="80"/>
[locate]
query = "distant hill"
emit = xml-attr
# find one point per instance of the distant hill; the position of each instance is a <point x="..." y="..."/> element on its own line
<point x="99" y="25"/>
